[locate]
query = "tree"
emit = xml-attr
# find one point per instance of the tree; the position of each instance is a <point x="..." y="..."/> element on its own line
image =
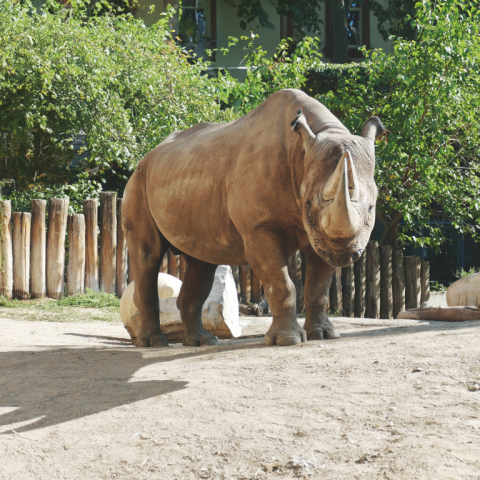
<point x="428" y="95"/>
<point x="62" y="72"/>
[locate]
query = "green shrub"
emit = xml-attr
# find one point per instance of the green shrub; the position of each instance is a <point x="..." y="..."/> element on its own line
<point x="125" y="85"/>
<point x="466" y="273"/>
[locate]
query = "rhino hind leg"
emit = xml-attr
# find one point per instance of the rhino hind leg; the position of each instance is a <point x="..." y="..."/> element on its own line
<point x="196" y="287"/>
<point x="268" y="258"/>
<point x="317" y="286"/>
<point x="146" y="249"/>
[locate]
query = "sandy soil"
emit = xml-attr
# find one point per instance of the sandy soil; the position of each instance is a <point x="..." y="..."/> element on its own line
<point x="78" y="401"/>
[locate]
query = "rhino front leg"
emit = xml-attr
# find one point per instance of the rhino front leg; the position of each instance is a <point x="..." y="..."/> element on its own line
<point x="268" y="258"/>
<point x="317" y="286"/>
<point x="196" y="287"/>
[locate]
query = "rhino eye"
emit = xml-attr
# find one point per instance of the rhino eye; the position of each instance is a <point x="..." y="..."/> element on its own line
<point x="308" y="203"/>
<point x="370" y="210"/>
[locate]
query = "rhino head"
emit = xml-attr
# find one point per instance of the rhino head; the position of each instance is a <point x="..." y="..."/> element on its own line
<point x="338" y="191"/>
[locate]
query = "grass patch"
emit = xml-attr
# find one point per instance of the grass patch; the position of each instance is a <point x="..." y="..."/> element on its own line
<point x="91" y="306"/>
<point x="89" y="299"/>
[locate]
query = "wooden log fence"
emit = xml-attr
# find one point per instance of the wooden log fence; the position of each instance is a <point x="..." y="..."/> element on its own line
<point x="6" y="250"/>
<point x="381" y="284"/>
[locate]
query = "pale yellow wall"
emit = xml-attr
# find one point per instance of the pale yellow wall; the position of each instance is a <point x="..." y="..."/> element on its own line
<point x="376" y="40"/>
<point x="228" y="25"/>
<point x="143" y="8"/>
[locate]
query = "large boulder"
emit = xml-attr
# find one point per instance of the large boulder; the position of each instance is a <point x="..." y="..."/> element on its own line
<point x="220" y="310"/>
<point x="465" y="291"/>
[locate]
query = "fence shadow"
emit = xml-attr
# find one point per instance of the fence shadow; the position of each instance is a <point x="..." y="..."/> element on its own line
<point x="425" y="326"/>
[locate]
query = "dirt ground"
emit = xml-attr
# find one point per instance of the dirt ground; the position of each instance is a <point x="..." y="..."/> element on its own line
<point x="78" y="401"/>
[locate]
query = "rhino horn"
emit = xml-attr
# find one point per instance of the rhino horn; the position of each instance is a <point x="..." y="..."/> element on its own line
<point x="340" y="218"/>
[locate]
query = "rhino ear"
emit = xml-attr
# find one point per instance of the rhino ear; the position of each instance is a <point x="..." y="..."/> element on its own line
<point x="300" y="126"/>
<point x="373" y="128"/>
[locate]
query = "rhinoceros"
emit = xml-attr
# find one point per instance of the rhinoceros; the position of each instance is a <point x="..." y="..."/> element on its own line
<point x="286" y="176"/>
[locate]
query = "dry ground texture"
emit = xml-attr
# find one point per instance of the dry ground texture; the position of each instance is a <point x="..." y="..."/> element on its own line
<point x="390" y="399"/>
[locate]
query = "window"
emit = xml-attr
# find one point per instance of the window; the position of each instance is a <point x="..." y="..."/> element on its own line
<point x="358" y="29"/>
<point x="195" y="24"/>
<point x="354" y="25"/>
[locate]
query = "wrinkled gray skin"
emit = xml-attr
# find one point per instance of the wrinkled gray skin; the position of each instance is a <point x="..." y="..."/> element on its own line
<point x="252" y="192"/>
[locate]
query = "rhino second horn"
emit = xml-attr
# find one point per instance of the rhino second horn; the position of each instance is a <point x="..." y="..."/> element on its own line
<point x="340" y="219"/>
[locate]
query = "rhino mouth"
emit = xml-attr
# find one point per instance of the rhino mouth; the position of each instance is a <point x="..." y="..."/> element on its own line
<point x="340" y="260"/>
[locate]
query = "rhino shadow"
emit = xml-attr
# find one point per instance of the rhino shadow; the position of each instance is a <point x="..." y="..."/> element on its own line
<point x="65" y="384"/>
<point x="425" y="326"/>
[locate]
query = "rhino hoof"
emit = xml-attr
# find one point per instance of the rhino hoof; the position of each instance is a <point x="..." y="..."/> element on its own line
<point x="200" y="340"/>
<point x="285" y="338"/>
<point x="158" y="340"/>
<point x="324" y="334"/>
<point x="331" y="333"/>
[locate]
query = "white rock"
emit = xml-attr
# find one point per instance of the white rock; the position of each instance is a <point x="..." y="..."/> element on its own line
<point x="465" y="291"/>
<point x="220" y="311"/>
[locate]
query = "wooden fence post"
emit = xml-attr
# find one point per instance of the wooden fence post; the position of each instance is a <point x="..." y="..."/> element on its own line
<point x="245" y="283"/>
<point x="372" y="308"/>
<point x="236" y="277"/>
<point x="108" y="241"/>
<point x="295" y="272"/>
<point x="336" y="300"/>
<point x="360" y="271"/>
<point x="57" y="225"/>
<point x="173" y="264"/>
<point x="121" y="269"/>
<point x="386" y="272"/>
<point x="412" y="266"/>
<point x="21" y="254"/>
<point x="6" y="249"/>
<point x="183" y="267"/>
<point x="398" y="284"/>
<point x="256" y="288"/>
<point x="348" y="291"/>
<point x="76" y="254"/>
<point x="90" y="212"/>
<point x="425" y="274"/>
<point x="38" y="261"/>
<point x="164" y="265"/>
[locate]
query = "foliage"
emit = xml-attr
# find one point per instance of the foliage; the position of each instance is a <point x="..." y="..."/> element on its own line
<point x="465" y="273"/>
<point x="126" y="86"/>
<point x="267" y="75"/>
<point x="75" y="192"/>
<point x="435" y="286"/>
<point x="427" y="93"/>
<point x="326" y="77"/>
<point x="395" y="17"/>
